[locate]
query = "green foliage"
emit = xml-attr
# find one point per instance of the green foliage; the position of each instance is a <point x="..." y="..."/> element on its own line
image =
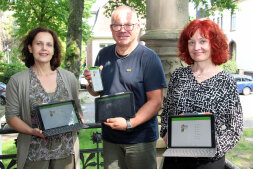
<point x="1" y="55"/>
<point x="30" y="14"/>
<point x="72" y="60"/>
<point x="230" y="66"/>
<point x="248" y="132"/>
<point x="241" y="155"/>
<point x="140" y="6"/>
<point x="86" y="28"/>
<point x="8" y="42"/>
<point x="209" y="7"/>
<point x="85" y="138"/>
<point x="8" y="147"/>
<point x="10" y="69"/>
<point x="53" y="14"/>
<point x="85" y="142"/>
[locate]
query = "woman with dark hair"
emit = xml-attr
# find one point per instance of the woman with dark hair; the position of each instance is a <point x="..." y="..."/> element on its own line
<point x="204" y="87"/>
<point x="42" y="82"/>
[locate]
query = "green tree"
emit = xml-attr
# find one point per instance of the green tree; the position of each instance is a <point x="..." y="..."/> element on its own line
<point x="74" y="36"/>
<point x="9" y="69"/>
<point x="76" y="30"/>
<point x="32" y="13"/>
<point x="138" y="5"/>
<point x="6" y="35"/>
<point x="209" y="6"/>
<point x="230" y="65"/>
<point x="54" y="14"/>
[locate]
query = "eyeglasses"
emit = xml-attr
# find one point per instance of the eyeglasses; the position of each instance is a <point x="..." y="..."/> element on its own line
<point x="127" y="27"/>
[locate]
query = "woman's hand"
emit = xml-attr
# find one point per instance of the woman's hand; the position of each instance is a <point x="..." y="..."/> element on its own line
<point x="37" y="132"/>
<point x="165" y="138"/>
<point x="19" y="125"/>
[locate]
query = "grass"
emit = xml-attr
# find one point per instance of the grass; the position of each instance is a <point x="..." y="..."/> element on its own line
<point x="85" y="142"/>
<point x="241" y="155"/>
<point x="8" y="147"/>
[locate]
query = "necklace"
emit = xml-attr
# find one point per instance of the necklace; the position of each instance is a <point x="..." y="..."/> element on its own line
<point x="198" y="75"/>
<point x="120" y="57"/>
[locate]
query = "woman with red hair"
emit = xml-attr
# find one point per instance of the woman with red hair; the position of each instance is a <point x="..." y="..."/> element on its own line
<point x="203" y="86"/>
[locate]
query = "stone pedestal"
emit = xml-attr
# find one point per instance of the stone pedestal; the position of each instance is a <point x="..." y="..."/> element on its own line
<point x="165" y="21"/>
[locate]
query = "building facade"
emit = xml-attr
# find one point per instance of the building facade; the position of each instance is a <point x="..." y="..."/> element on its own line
<point x="238" y="27"/>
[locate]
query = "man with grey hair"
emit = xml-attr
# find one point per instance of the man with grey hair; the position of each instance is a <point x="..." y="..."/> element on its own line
<point x="128" y="66"/>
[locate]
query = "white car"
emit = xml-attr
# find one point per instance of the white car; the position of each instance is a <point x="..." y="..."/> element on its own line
<point x="83" y="82"/>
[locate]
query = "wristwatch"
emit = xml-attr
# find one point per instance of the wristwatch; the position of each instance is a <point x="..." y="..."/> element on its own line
<point x="129" y="127"/>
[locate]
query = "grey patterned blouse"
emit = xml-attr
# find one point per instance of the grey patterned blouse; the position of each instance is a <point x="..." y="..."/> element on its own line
<point x="218" y="95"/>
<point x="54" y="147"/>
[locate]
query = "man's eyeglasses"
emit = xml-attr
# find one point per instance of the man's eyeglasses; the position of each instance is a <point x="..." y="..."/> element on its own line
<point x="127" y="27"/>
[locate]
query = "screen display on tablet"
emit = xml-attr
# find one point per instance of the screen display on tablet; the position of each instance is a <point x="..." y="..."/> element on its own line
<point x="118" y="105"/>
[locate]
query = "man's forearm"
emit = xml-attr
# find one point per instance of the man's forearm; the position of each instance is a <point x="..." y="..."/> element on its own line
<point x="149" y="109"/>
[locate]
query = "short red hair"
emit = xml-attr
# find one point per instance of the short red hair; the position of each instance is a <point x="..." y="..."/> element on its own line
<point x="209" y="30"/>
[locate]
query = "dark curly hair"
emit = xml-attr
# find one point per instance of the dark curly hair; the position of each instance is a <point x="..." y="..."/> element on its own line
<point x="209" y="30"/>
<point x="28" y="58"/>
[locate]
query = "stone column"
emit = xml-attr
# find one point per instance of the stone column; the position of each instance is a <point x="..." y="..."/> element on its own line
<point x="165" y="20"/>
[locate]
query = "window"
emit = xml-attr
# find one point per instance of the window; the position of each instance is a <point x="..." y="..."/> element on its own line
<point x="221" y="22"/>
<point x="102" y="45"/>
<point x="246" y="79"/>
<point x="233" y="22"/>
<point x="232" y="50"/>
<point x="238" y="79"/>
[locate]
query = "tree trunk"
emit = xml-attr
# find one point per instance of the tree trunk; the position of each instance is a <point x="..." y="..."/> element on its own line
<point x="74" y="36"/>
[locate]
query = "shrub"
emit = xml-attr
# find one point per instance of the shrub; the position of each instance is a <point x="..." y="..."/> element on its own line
<point x="10" y="69"/>
<point x="230" y="66"/>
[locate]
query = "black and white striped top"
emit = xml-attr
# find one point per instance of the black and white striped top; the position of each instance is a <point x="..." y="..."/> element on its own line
<point x="218" y="95"/>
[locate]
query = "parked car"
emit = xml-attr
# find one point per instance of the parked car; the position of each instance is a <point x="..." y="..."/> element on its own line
<point x="2" y="93"/>
<point x="244" y="83"/>
<point x="83" y="82"/>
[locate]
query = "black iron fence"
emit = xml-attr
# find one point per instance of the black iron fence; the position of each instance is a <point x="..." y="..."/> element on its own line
<point x="86" y="162"/>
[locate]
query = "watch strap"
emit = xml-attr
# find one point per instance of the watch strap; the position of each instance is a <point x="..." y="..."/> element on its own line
<point x="129" y="126"/>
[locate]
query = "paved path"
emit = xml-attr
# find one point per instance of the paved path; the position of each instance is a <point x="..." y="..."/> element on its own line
<point x="247" y="108"/>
